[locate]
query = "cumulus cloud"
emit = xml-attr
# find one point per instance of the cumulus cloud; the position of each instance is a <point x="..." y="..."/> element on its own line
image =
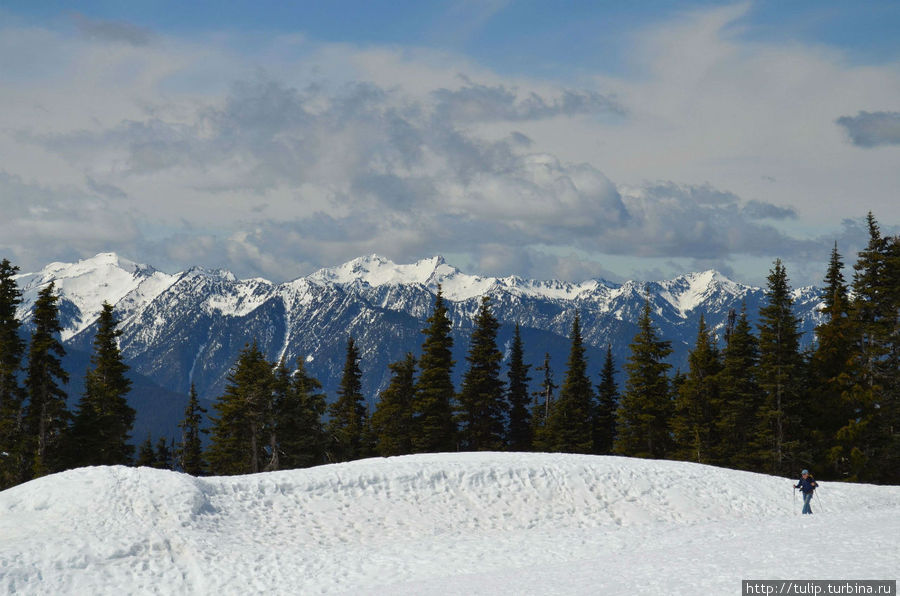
<point x="872" y="129"/>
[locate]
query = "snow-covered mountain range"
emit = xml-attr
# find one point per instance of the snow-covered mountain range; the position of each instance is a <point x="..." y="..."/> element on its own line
<point x="188" y="327"/>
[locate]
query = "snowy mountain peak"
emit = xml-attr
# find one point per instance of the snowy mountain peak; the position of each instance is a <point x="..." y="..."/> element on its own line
<point x="376" y="270"/>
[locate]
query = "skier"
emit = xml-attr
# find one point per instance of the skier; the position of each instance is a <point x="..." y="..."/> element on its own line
<point x="807" y="485"/>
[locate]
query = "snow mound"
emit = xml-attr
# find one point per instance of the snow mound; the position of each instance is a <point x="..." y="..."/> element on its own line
<point x="442" y="523"/>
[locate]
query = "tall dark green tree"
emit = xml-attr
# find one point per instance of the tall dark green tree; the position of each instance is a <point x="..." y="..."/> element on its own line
<point x="693" y="423"/>
<point x="301" y="431"/>
<point x="239" y="433"/>
<point x="607" y="402"/>
<point x="393" y="417"/>
<point x="739" y="398"/>
<point x="190" y="451"/>
<point x="482" y="401"/>
<point x="12" y="395"/>
<point x="519" y="432"/>
<point x="780" y="378"/>
<point x="543" y="403"/>
<point x="146" y="456"/>
<point x="868" y="444"/>
<point x="570" y="426"/>
<point x="46" y="416"/>
<point x="434" y="429"/>
<point x="646" y="406"/>
<point x="101" y="431"/>
<point x="831" y="372"/>
<point x="348" y="413"/>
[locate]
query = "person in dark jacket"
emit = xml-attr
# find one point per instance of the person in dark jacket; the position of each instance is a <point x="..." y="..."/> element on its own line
<point x="807" y="485"/>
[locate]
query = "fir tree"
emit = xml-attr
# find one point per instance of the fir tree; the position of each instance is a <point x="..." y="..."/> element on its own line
<point x="570" y="426"/>
<point x="146" y="454"/>
<point x="12" y="395"/>
<point x="434" y="429"/>
<point x="190" y="450"/>
<point x="164" y="450"/>
<point x="348" y="413"/>
<point x="646" y="406"/>
<point x="739" y="398"/>
<point x="392" y="419"/>
<point x="101" y="431"/>
<point x="482" y="403"/>
<point x="301" y="433"/>
<point x="519" y="434"/>
<point x="543" y="403"/>
<point x="831" y="370"/>
<point x="607" y="402"/>
<point x="693" y="423"/>
<point x="239" y="431"/>
<point x="46" y="417"/>
<point x="780" y="371"/>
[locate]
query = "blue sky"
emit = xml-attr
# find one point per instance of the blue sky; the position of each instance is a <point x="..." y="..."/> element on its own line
<point x="545" y="139"/>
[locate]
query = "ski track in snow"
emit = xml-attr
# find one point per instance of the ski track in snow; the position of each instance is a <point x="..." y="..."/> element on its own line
<point x="469" y="523"/>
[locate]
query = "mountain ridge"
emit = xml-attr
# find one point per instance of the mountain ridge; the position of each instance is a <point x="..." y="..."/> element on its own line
<point x="188" y="327"/>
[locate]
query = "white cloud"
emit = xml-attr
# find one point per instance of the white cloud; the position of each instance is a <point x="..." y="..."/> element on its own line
<point x="296" y="155"/>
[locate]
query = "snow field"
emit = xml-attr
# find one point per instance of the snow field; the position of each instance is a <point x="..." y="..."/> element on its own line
<point x="467" y="523"/>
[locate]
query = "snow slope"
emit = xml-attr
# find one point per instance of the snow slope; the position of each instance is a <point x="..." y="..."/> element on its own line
<point x="470" y="523"/>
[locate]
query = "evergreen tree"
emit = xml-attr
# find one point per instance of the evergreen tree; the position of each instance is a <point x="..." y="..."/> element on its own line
<point x="570" y="426"/>
<point x="780" y="372"/>
<point x="239" y="432"/>
<point x="607" y="402"/>
<point x="12" y="395"/>
<point x="348" y="413"/>
<point x="164" y="452"/>
<point x="146" y="454"/>
<point x="543" y="403"/>
<point x="739" y="399"/>
<point x="869" y="443"/>
<point x="46" y="417"/>
<point x="482" y="403"/>
<point x="519" y="435"/>
<point x="301" y="432"/>
<point x="393" y="417"/>
<point x="101" y="431"/>
<point x="831" y="371"/>
<point x="190" y="450"/>
<point x="646" y="406"/>
<point x="693" y="423"/>
<point x="434" y="429"/>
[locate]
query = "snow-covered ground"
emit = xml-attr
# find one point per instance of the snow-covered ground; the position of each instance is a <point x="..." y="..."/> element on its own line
<point x="470" y="523"/>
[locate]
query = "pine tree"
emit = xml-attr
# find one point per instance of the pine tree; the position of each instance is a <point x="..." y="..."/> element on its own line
<point x="693" y="423"/>
<point x="190" y="450"/>
<point x="519" y="434"/>
<point x="831" y="371"/>
<point x="869" y="443"/>
<point x="46" y="417"/>
<point x="393" y="416"/>
<point x="543" y="403"/>
<point x="12" y="395"/>
<point x="646" y="406"/>
<point x="739" y="398"/>
<point x="780" y="371"/>
<point x="434" y="429"/>
<point x="163" y="454"/>
<point x="146" y="454"/>
<point x="103" y="420"/>
<point x="482" y="403"/>
<point x="570" y="426"/>
<point x="607" y="402"/>
<point x="301" y="432"/>
<point x="239" y="432"/>
<point x="348" y="413"/>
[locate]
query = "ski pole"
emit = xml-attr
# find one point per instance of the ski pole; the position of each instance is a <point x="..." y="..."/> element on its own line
<point x="819" y="499"/>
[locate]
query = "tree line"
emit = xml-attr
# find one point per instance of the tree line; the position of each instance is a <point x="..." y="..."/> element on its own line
<point x="750" y="399"/>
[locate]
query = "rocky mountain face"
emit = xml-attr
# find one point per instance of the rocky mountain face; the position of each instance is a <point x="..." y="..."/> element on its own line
<point x="188" y="327"/>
